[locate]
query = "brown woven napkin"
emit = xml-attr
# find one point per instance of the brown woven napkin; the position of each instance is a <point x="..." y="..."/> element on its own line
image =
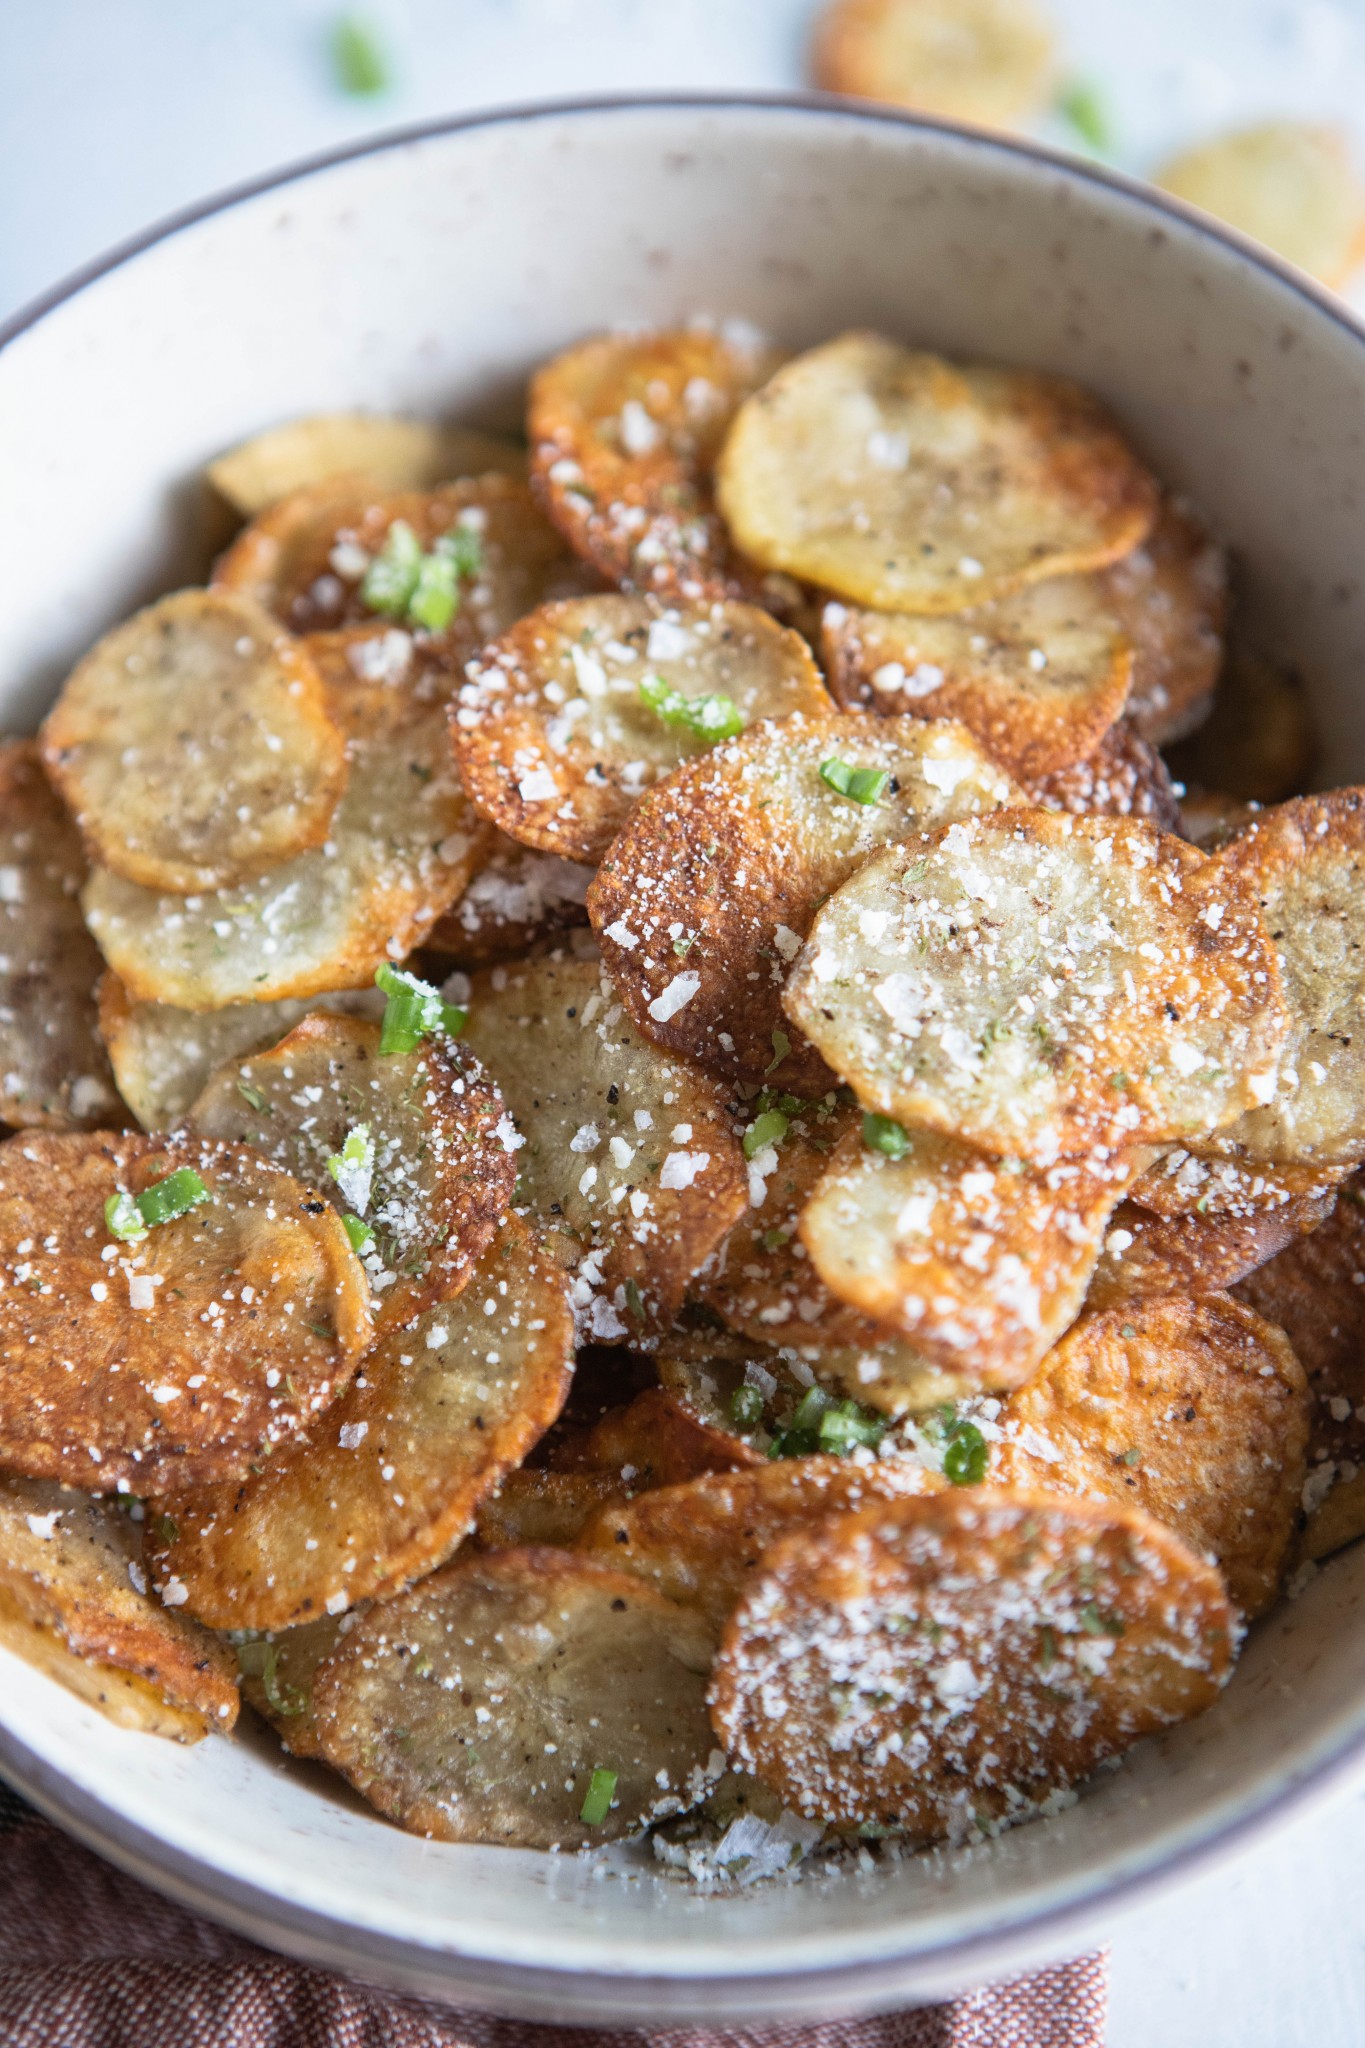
<point x="92" y="1959"/>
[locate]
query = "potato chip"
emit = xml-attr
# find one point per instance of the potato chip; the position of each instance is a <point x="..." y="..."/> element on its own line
<point x="1194" y="1410"/>
<point x="171" y="1353"/>
<point x="700" y="1544"/>
<point x="1125" y="777"/>
<point x="979" y="1265"/>
<point x="404" y="842"/>
<point x="395" y="454"/>
<point x="902" y="481"/>
<point x="163" y="1057"/>
<point x="569" y="717"/>
<point x="704" y="899"/>
<point x="1146" y="1255"/>
<point x="628" y="1160"/>
<point x="387" y="1484"/>
<point x="1038" y="676"/>
<point x="53" y="1069"/>
<point x="73" y="1601"/>
<point x="624" y="432"/>
<point x="1171" y="598"/>
<point x="652" y="1441"/>
<point x="531" y="1698"/>
<point x="534" y="1507"/>
<point x="433" y="1170"/>
<point x="946" y="1664"/>
<point x="1038" y="985"/>
<point x="517" y="898"/>
<point x="1195" y="1183"/>
<point x="195" y="746"/>
<point x="1258" y="743"/>
<point x="1285" y="183"/>
<point x="988" y="61"/>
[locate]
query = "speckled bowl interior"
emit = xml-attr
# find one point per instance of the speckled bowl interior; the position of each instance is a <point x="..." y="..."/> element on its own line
<point x="429" y="274"/>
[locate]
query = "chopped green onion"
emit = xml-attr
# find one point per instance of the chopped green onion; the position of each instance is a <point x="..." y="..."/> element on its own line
<point x="746" y="1408"/>
<point x="964" y="1461"/>
<point x="707" y="718"/>
<point x="436" y="594"/>
<point x="768" y="1129"/>
<point x="392" y="576"/>
<point x="258" y="1659"/>
<point x="352" y="1168"/>
<point x="860" y="785"/>
<point x="166" y="1199"/>
<point x="845" y="1426"/>
<point x="811" y="1409"/>
<point x="795" y="1443"/>
<point x="597" y="1805"/>
<point x="1082" y="105"/>
<point x="124" y="1218"/>
<point x="884" y="1134"/>
<point x="413" y="1009"/>
<point x="254" y="1097"/>
<point x="359" y="1231"/>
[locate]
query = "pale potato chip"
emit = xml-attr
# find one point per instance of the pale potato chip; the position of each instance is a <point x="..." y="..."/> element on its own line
<point x="395" y="454"/>
<point x="1171" y="598"/>
<point x="978" y="1264"/>
<point x="1040" y="985"/>
<point x="1258" y="743"/>
<point x="1285" y="183"/>
<point x="1038" y="676"/>
<point x="195" y="745"/>
<point x="404" y="842"/>
<point x="568" y="718"/>
<point x="1196" y="1183"/>
<point x="705" y="896"/>
<point x="624" y="432"/>
<point x="1125" y="777"/>
<point x="434" y="1169"/>
<point x="73" y="1601"/>
<point x="534" y="1507"/>
<point x="987" y="61"/>
<point x="517" y="898"/>
<point x="531" y="1698"/>
<point x="1195" y="1410"/>
<point x="1147" y="1255"/>
<point x="187" y="1352"/>
<point x="53" y="1068"/>
<point x="903" y="481"/>
<point x="387" y="1483"/>
<point x="946" y="1664"/>
<point x="163" y="1057"/>
<point x="627" y="1159"/>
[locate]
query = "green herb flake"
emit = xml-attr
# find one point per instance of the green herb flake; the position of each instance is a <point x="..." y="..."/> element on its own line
<point x="359" y="1231"/>
<point x="859" y="785"/>
<point x="597" y="1805"/>
<point x="358" y="58"/>
<point x="710" y="718"/>
<point x="254" y="1097"/>
<point x="967" y="1455"/>
<point x="1081" y="105"/>
<point x="392" y="576"/>
<point x="1132" y="1456"/>
<point x="846" y="1426"/>
<point x="413" y="1009"/>
<point x="124" y="1218"/>
<point x="1096" y="1624"/>
<point x="768" y="1129"/>
<point x="782" y="1045"/>
<point x="883" y="1134"/>
<point x="634" y="1301"/>
<point x="746" y="1409"/>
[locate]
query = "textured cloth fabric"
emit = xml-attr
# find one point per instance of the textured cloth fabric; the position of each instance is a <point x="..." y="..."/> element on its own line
<point x="89" y="1958"/>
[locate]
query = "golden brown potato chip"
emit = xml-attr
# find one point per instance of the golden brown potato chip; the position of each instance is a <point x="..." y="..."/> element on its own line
<point x="170" y="1360"/>
<point x="1196" y="1183"/>
<point x="1125" y="777"/>
<point x="652" y="1441"/>
<point x="531" y="1698"/>
<point x="1038" y="676"/>
<point x="404" y="842"/>
<point x="517" y="899"/>
<point x="1194" y="1410"/>
<point x="195" y="746"/>
<point x="979" y="1265"/>
<point x="945" y="1664"/>
<point x="700" y="1544"/>
<point x="1040" y="985"/>
<point x="900" y="480"/>
<point x="1285" y="183"/>
<point x="73" y="1600"/>
<point x="704" y="898"/>
<point x="395" y="454"/>
<point x="163" y="1057"/>
<point x="569" y="717"/>
<point x="988" y="61"/>
<point x="433" y="1167"/>
<point x="624" y="432"/>
<point x="627" y="1159"/>
<point x="534" y="1507"/>
<point x="53" y="1069"/>
<point x="1147" y="1255"/>
<point x="386" y="1485"/>
<point x="1171" y="598"/>
<point x="1258" y="743"/>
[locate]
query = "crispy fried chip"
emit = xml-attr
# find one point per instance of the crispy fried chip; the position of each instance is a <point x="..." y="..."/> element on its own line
<point x="1258" y="743"/>
<point x="704" y="898"/>
<point x="1125" y="777"/>
<point x="1171" y="598"/>
<point x="439" y="1174"/>
<point x="382" y="1489"/>
<point x="557" y="736"/>
<point x="195" y="746"/>
<point x="394" y="454"/>
<point x="1146" y="1255"/>
<point x="1289" y="185"/>
<point x="173" y="1363"/>
<point x="909" y="483"/>
<point x="624" y="432"/>
<point x="493" y="1702"/>
<point x="1039" y="984"/>
<point x="988" y="61"/>
<point x="73" y="1601"/>
<point x="53" y="1069"/>
<point x="700" y="1544"/>
<point x="163" y="1057"/>
<point x="979" y="1265"/>
<point x="1194" y="1410"/>
<point x="277" y="1674"/>
<point x="945" y="1663"/>
<point x="533" y="1508"/>
<point x="404" y="842"/>
<point x="629" y="1161"/>
<point x="1196" y="1183"/>
<point x="517" y="899"/>
<point x="652" y="1441"/>
<point x="1038" y="676"/>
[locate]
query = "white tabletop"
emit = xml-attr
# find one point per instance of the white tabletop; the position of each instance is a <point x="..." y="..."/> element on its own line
<point x="112" y="115"/>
